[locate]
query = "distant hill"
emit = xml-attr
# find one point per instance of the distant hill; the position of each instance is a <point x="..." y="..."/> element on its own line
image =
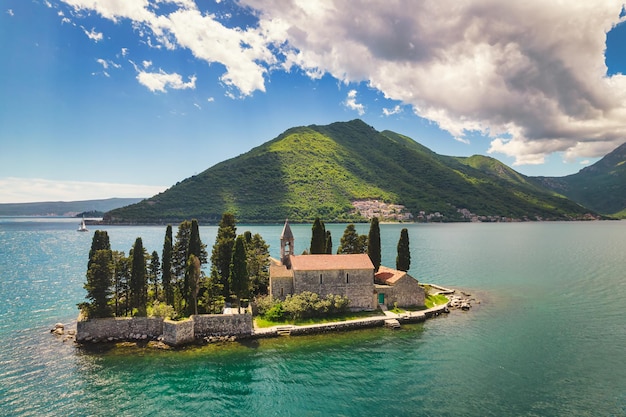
<point x="64" y="208"/>
<point x="601" y="186"/>
<point x="321" y="170"/>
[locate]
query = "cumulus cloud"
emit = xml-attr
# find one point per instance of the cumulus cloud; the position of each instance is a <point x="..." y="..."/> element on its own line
<point x="352" y="104"/>
<point x="531" y="76"/>
<point x="159" y="81"/>
<point x="26" y="190"/>
<point x="244" y="52"/>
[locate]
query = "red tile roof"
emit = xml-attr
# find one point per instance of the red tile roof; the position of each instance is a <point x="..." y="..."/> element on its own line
<point x="330" y="262"/>
<point x="388" y="276"/>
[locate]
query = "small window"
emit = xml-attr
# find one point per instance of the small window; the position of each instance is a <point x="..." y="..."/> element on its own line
<point x="320" y="278"/>
<point x="282" y="292"/>
<point x="347" y="279"/>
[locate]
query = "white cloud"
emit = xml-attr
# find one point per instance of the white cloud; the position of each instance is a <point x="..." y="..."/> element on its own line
<point x="159" y="81"/>
<point x="92" y="34"/>
<point x="124" y="51"/>
<point x="352" y="104"/>
<point x="529" y="75"/>
<point x="210" y="99"/>
<point x="243" y="52"/>
<point x="533" y="71"/>
<point x="390" y="112"/>
<point x="146" y="64"/>
<point x="10" y="12"/>
<point x="25" y="190"/>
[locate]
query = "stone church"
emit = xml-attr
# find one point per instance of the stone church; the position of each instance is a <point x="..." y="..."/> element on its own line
<point x="351" y="276"/>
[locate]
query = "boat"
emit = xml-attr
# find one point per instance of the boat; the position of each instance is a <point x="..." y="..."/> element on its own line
<point x="82" y="227"/>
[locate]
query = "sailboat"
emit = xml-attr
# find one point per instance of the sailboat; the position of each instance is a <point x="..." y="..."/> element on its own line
<point x="82" y="227"/>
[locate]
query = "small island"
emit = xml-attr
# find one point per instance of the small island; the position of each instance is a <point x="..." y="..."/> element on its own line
<point x="170" y="301"/>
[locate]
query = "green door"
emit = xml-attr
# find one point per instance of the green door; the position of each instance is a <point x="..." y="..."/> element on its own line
<point x="381" y="298"/>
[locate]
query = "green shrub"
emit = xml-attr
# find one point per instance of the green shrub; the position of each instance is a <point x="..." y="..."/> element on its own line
<point x="276" y="313"/>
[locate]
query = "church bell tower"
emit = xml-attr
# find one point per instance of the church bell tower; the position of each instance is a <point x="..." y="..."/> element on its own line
<point x="286" y="245"/>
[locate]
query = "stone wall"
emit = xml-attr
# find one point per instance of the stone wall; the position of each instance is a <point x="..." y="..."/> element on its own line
<point x="239" y="325"/>
<point x="357" y="285"/>
<point x="122" y="328"/>
<point x="406" y="292"/>
<point x="176" y="333"/>
<point x="172" y="332"/>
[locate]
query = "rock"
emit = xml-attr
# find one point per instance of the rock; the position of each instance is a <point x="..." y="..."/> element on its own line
<point x="71" y="332"/>
<point x="59" y="326"/>
<point x="144" y="336"/>
<point x="58" y="331"/>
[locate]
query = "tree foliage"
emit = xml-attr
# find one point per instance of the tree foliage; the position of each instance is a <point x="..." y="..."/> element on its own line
<point x="222" y="254"/>
<point x="153" y="273"/>
<point x="100" y="241"/>
<point x="168" y="290"/>
<point x="192" y="278"/>
<point x="98" y="285"/>
<point x="403" y="259"/>
<point x="373" y="243"/>
<point x="318" y="237"/>
<point x="238" y="279"/>
<point x="258" y="257"/>
<point x="328" y="246"/>
<point x="138" y="279"/>
<point x="351" y="242"/>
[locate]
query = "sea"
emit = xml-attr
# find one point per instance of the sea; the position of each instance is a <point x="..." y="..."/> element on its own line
<point x="546" y="336"/>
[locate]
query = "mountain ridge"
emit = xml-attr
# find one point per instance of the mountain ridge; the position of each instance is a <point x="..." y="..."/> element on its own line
<point x="312" y="171"/>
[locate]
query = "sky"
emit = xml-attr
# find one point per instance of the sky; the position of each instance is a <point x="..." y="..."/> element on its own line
<point x="124" y="98"/>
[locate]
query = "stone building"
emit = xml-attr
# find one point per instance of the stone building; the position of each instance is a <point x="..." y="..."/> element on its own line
<point x="393" y="286"/>
<point x="351" y="276"/>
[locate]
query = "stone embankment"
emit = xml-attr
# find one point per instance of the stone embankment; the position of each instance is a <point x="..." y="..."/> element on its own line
<point x="211" y="328"/>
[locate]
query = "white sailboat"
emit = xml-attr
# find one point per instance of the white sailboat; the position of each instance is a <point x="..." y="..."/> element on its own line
<point x="82" y="227"/>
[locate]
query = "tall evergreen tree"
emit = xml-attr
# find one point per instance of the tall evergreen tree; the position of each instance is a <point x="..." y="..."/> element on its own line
<point x="167" y="267"/>
<point x="318" y="237"/>
<point x="192" y="277"/>
<point x="180" y="257"/>
<point x="121" y="280"/>
<point x="98" y="285"/>
<point x="222" y="254"/>
<point x="100" y="241"/>
<point x="351" y="242"/>
<point x="154" y="270"/>
<point x="138" y="279"/>
<point x="238" y="279"/>
<point x="329" y="243"/>
<point x="373" y="243"/>
<point x="196" y="247"/>
<point x="403" y="260"/>
<point x="258" y="264"/>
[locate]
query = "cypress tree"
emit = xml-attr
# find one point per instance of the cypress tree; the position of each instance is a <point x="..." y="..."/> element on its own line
<point x="100" y="241"/>
<point x="192" y="278"/>
<point x="403" y="260"/>
<point x="329" y="243"/>
<point x="318" y="237"/>
<point x="138" y="279"/>
<point x="121" y="280"/>
<point x="222" y="254"/>
<point x="155" y="268"/>
<point x="373" y="243"/>
<point x="168" y="290"/>
<point x="238" y="279"/>
<point x="98" y="285"/>
<point x="196" y="247"/>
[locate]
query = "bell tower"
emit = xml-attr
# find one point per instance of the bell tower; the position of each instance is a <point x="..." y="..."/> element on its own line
<point x="286" y="245"/>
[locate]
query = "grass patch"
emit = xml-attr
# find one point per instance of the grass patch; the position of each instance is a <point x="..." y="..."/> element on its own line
<point x="261" y="322"/>
<point x="435" y="300"/>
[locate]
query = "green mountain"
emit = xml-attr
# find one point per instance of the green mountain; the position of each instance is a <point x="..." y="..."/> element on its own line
<point x="601" y="186"/>
<point x="320" y="170"/>
<point x="64" y="208"/>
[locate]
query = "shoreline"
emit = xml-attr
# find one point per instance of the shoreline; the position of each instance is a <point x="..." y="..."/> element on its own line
<point x="387" y="319"/>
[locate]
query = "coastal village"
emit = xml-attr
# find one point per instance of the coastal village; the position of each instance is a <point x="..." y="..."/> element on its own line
<point x="352" y="276"/>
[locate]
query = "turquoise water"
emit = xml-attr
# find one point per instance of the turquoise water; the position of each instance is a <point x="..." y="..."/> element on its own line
<point x="548" y="339"/>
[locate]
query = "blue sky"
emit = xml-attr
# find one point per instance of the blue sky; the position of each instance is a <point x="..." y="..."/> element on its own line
<point x="108" y="98"/>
